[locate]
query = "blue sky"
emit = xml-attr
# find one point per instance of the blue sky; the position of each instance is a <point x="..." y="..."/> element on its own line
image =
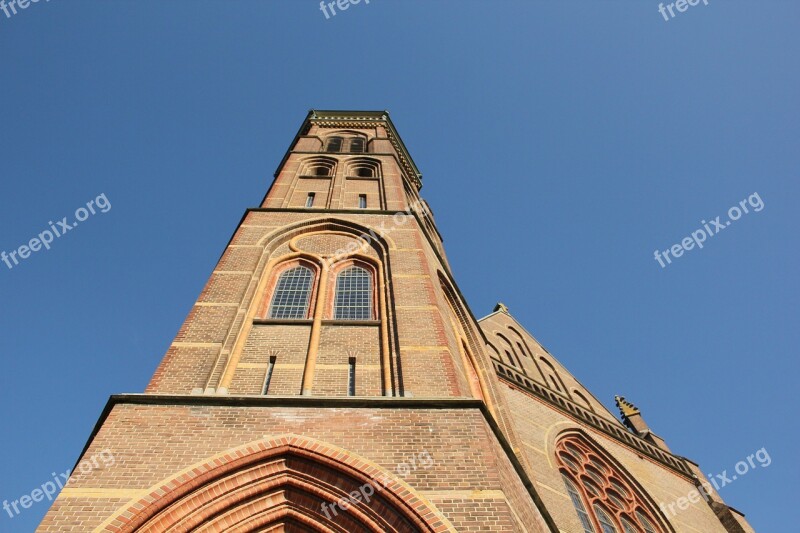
<point x="561" y="144"/>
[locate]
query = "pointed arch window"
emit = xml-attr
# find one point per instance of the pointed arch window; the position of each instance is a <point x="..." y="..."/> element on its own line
<point x="353" y="294"/>
<point x="605" y="522"/>
<point x="645" y="523"/>
<point x="580" y="508"/>
<point x="292" y="294"/>
<point x="598" y="491"/>
<point x="628" y="527"/>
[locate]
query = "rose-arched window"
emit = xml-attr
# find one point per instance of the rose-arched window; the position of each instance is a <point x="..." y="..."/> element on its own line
<point x="604" y="500"/>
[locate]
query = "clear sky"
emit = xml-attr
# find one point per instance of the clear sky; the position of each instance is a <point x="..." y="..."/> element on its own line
<point x="561" y="144"/>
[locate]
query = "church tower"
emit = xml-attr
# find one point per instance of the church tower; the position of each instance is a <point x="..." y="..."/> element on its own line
<point x="331" y="377"/>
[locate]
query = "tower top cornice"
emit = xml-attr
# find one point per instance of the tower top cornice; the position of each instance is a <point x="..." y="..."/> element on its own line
<point x="360" y="119"/>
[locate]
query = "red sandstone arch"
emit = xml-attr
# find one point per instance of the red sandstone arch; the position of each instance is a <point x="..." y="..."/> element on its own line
<point x="280" y="485"/>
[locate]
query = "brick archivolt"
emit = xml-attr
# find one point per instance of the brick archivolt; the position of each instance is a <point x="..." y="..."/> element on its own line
<point x="331" y="244"/>
<point x="278" y="481"/>
<point x="381" y="243"/>
<point x="309" y="166"/>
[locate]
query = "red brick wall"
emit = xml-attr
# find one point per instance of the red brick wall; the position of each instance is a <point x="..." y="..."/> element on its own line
<point x="469" y="478"/>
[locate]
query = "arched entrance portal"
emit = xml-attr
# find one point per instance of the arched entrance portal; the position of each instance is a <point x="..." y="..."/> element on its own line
<point x="287" y="484"/>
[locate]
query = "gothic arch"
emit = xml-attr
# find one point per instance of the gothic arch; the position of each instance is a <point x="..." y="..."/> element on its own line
<point x="221" y="376"/>
<point x="360" y="261"/>
<point x="381" y="243"/>
<point x="282" y="481"/>
<point x="496" y="352"/>
<point x="603" y="482"/>
<point x="516" y="362"/>
<point x="554" y="376"/>
<point x="289" y="262"/>
<point x="522" y="342"/>
<point x="583" y="399"/>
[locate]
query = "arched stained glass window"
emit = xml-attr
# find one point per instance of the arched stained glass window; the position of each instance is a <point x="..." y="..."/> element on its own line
<point x="292" y="294"/>
<point x="580" y="508"/>
<point x="612" y="505"/>
<point x="353" y="295"/>
<point x="628" y="527"/>
<point x="645" y="523"/>
<point x="605" y="522"/>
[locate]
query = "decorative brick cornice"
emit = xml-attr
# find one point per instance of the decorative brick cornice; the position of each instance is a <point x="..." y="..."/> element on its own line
<point x="366" y="120"/>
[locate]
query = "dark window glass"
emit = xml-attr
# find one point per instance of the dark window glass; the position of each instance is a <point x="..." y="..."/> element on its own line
<point x="268" y="377"/>
<point x="351" y="378"/>
<point x="605" y="522"/>
<point x="357" y="145"/>
<point x="577" y="502"/>
<point x="334" y="144"/>
<point x="364" y="172"/>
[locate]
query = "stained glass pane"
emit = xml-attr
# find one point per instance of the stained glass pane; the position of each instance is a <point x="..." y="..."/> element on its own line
<point x="292" y="294"/>
<point x="353" y="295"/>
<point x="577" y="502"/>
<point x="648" y="527"/>
<point x="605" y="522"/>
<point x="628" y="527"/>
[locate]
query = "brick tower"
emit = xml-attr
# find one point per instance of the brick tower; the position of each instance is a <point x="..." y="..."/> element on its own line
<point x="331" y="377"/>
